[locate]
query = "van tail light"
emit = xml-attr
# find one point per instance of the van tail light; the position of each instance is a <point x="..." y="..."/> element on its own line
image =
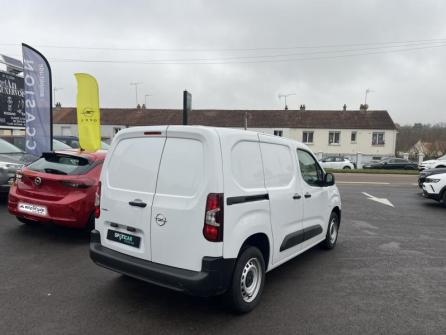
<point x="78" y="183"/>
<point x="213" y="219"/>
<point x="97" y="202"/>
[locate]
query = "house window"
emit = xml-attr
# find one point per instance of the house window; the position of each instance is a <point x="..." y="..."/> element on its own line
<point x="334" y="137"/>
<point x="378" y="138"/>
<point x="278" y="133"/>
<point x="66" y="130"/>
<point x="307" y="137"/>
<point x="353" y="137"/>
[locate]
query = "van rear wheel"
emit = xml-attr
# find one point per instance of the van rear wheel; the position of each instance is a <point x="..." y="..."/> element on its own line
<point x="332" y="231"/>
<point x="248" y="280"/>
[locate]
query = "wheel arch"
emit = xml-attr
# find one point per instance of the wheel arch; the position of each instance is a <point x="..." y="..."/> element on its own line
<point x="337" y="210"/>
<point x="441" y="193"/>
<point x="261" y="241"/>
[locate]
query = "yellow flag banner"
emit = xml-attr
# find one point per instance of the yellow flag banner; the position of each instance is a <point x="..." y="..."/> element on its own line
<point x="88" y="116"/>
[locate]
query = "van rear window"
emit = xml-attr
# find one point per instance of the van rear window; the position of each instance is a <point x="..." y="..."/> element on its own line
<point x="56" y="163"/>
<point x="134" y="164"/>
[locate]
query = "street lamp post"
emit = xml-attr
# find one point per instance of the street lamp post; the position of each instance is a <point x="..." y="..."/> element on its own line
<point x="145" y="99"/>
<point x="284" y="96"/>
<point x="367" y="91"/>
<point x="136" y="90"/>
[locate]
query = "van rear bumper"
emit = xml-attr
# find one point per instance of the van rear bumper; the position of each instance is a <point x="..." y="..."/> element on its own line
<point x="213" y="279"/>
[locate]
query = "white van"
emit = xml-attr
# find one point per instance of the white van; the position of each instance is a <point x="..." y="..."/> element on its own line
<point x="209" y="210"/>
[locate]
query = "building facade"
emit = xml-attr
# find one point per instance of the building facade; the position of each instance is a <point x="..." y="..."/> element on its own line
<point x="371" y="134"/>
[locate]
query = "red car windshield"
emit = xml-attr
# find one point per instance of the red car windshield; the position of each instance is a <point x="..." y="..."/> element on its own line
<point x="58" y="163"/>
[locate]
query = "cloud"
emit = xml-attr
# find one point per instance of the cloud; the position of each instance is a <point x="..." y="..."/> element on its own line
<point x="409" y="84"/>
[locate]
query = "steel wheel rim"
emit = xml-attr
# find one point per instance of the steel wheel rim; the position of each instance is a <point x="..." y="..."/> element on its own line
<point x="251" y="280"/>
<point x="333" y="231"/>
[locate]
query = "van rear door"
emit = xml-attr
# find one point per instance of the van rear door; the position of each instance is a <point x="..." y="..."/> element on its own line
<point x="128" y="185"/>
<point x="190" y="169"/>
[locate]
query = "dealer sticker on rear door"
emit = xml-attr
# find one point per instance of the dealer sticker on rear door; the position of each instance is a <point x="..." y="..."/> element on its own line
<point x="32" y="209"/>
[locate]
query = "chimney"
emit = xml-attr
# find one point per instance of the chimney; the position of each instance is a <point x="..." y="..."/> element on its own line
<point x="344" y="108"/>
<point x="363" y="107"/>
<point x="302" y="108"/>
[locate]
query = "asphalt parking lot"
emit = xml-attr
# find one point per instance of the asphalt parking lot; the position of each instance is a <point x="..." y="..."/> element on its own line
<point x="387" y="275"/>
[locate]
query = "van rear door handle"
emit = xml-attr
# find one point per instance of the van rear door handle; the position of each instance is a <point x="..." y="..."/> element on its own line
<point x="137" y="203"/>
<point x="307" y="195"/>
<point x="297" y="196"/>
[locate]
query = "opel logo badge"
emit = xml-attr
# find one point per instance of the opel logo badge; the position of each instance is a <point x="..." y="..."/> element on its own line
<point x="160" y="219"/>
<point x="38" y="181"/>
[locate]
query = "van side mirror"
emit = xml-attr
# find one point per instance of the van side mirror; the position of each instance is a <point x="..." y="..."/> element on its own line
<point x="329" y="179"/>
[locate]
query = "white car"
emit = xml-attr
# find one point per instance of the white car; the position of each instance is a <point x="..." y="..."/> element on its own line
<point x="434" y="187"/>
<point x="208" y="210"/>
<point x="335" y="162"/>
<point x="433" y="163"/>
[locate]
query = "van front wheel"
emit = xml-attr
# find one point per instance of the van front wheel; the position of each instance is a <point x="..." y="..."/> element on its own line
<point x="332" y="231"/>
<point x="247" y="281"/>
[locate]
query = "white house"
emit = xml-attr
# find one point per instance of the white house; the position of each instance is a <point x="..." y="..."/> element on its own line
<point x="370" y="133"/>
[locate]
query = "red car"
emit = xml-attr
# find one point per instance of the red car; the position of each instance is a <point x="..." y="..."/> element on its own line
<point x="59" y="187"/>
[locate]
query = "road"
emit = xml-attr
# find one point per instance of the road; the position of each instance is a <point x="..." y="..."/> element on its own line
<point x="387" y="275"/>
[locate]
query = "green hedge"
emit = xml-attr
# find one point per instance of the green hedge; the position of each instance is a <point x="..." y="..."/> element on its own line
<point x="374" y="171"/>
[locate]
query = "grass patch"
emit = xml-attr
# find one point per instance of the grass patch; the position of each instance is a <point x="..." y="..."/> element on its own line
<point x="375" y="171"/>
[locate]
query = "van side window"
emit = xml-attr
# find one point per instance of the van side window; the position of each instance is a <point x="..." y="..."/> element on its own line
<point x="246" y="164"/>
<point x="182" y="167"/>
<point x="310" y="169"/>
<point x="278" y="164"/>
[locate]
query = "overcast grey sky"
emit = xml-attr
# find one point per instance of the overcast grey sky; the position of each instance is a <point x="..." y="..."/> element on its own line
<point x="242" y="41"/>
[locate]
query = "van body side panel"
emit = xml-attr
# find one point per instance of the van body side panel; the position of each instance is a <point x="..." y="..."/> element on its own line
<point x="285" y="192"/>
<point x="190" y="169"/>
<point x="317" y="206"/>
<point x="129" y="175"/>
<point x="246" y="199"/>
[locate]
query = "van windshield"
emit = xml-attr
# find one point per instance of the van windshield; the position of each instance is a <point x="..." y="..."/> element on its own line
<point x="56" y="163"/>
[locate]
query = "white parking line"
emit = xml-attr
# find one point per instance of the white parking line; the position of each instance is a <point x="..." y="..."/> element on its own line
<point x="383" y="201"/>
<point x="363" y="182"/>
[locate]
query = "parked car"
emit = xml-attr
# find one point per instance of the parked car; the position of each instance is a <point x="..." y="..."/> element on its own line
<point x="11" y="159"/>
<point x="59" y="187"/>
<point x="433" y="163"/>
<point x="241" y="204"/>
<point x="73" y="142"/>
<point x="429" y="172"/>
<point x="434" y="187"/>
<point x="337" y="162"/>
<point x="19" y="141"/>
<point x="392" y="163"/>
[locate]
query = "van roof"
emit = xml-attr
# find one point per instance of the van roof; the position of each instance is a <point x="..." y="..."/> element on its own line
<point x="222" y="131"/>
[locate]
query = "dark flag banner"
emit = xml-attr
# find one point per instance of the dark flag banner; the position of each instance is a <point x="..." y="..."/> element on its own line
<point x="37" y="91"/>
<point x="12" y="111"/>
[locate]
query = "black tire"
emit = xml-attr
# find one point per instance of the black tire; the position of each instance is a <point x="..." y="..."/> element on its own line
<point x="90" y="224"/>
<point x="332" y="235"/>
<point x="346" y="168"/>
<point x="443" y="199"/>
<point x="27" y="221"/>
<point x="250" y="265"/>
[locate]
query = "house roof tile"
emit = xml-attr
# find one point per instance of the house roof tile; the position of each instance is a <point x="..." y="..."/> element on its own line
<point x="328" y="119"/>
